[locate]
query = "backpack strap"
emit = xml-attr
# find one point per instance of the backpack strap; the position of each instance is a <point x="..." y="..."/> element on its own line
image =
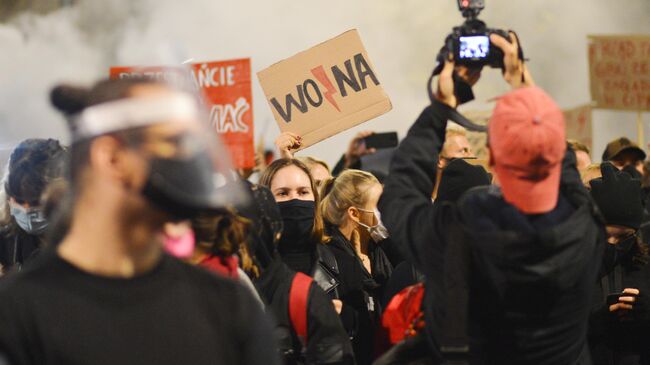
<point x="298" y="299"/>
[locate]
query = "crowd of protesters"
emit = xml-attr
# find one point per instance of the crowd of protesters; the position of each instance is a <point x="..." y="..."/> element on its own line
<point x="135" y="245"/>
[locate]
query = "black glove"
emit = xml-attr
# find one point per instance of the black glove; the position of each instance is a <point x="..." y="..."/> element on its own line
<point x="618" y="196"/>
<point x="632" y="171"/>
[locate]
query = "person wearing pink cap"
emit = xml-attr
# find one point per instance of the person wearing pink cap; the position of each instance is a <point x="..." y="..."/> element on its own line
<point x="509" y="269"/>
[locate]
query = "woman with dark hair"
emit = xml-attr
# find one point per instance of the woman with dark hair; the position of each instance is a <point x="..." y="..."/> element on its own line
<point x="221" y="247"/>
<point x="33" y="166"/>
<point x="302" y="244"/>
<point x="620" y="323"/>
<point x="325" y="341"/>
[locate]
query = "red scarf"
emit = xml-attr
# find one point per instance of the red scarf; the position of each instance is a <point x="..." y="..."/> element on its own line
<point x="226" y="266"/>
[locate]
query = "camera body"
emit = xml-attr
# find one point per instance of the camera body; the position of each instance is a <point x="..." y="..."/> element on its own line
<point x="470" y="42"/>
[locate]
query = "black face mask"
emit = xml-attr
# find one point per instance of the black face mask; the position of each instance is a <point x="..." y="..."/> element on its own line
<point x="614" y="254"/>
<point x="298" y="218"/>
<point x="183" y="187"/>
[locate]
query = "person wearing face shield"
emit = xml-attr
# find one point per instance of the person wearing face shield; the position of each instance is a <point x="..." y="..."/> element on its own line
<point x="620" y="321"/>
<point x="325" y="341"/>
<point x="349" y="207"/>
<point x="33" y="165"/>
<point x="107" y="294"/>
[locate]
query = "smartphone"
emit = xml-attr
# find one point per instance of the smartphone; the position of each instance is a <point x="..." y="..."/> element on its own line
<point x="382" y="140"/>
<point x="474" y="47"/>
<point x="613" y="298"/>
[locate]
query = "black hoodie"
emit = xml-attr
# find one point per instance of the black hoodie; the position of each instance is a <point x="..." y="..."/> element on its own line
<point x="530" y="277"/>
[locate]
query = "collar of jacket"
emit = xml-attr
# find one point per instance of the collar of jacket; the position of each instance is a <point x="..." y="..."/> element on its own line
<point x="326" y="271"/>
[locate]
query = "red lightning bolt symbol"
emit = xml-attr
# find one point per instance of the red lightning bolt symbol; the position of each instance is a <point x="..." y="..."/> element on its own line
<point x="319" y="74"/>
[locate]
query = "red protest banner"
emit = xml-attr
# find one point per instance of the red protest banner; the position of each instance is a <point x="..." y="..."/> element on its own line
<point x="619" y="69"/>
<point x="226" y="87"/>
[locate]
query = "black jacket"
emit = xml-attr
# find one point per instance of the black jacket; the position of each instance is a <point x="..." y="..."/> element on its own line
<point x="530" y="277"/>
<point x="324" y="269"/>
<point x="326" y="272"/>
<point x="361" y="303"/>
<point x="373" y="283"/>
<point x="17" y="247"/>
<point x="614" y="340"/>
<point x="327" y="341"/>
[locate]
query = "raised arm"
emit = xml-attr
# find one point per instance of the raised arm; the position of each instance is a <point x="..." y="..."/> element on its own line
<point x="405" y="205"/>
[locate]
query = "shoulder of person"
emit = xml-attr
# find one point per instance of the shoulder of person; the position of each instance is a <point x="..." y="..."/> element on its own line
<point x="480" y="200"/>
<point x="222" y="292"/>
<point x="37" y="271"/>
<point x="201" y="276"/>
<point x="337" y="242"/>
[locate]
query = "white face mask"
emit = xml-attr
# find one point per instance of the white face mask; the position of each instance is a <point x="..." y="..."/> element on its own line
<point x="377" y="232"/>
<point x="31" y="220"/>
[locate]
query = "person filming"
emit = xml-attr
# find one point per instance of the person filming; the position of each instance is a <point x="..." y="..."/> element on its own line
<point x="509" y="270"/>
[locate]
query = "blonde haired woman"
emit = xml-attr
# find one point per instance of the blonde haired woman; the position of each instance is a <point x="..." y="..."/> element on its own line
<point x="349" y="207"/>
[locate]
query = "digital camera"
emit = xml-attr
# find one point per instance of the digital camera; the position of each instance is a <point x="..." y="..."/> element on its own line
<point x="470" y="42"/>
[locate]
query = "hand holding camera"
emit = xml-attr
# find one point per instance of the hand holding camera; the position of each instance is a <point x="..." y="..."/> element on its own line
<point x="515" y="71"/>
<point x="469" y="48"/>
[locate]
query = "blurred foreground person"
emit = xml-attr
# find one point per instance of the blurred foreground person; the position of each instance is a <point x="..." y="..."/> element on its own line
<point x="510" y="270"/>
<point x="33" y="165"/>
<point x="307" y="331"/>
<point x="620" y="324"/>
<point x="107" y="294"/>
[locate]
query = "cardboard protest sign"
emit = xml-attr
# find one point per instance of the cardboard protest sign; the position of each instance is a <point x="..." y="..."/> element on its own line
<point x="226" y="88"/>
<point x="619" y="69"/>
<point x="324" y="90"/>
<point x="578" y="124"/>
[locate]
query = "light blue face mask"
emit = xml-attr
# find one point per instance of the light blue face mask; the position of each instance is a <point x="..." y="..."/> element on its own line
<point x="31" y="220"/>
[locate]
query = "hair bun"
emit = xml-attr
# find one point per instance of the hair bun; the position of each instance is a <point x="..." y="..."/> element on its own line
<point x="69" y="99"/>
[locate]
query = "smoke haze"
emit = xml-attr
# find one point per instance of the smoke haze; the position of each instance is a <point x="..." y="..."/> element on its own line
<point x="402" y="37"/>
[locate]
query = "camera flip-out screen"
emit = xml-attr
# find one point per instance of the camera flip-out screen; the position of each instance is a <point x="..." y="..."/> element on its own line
<point x="474" y="47"/>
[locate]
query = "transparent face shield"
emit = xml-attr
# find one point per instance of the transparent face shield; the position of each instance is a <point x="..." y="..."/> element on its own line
<point x="189" y="169"/>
